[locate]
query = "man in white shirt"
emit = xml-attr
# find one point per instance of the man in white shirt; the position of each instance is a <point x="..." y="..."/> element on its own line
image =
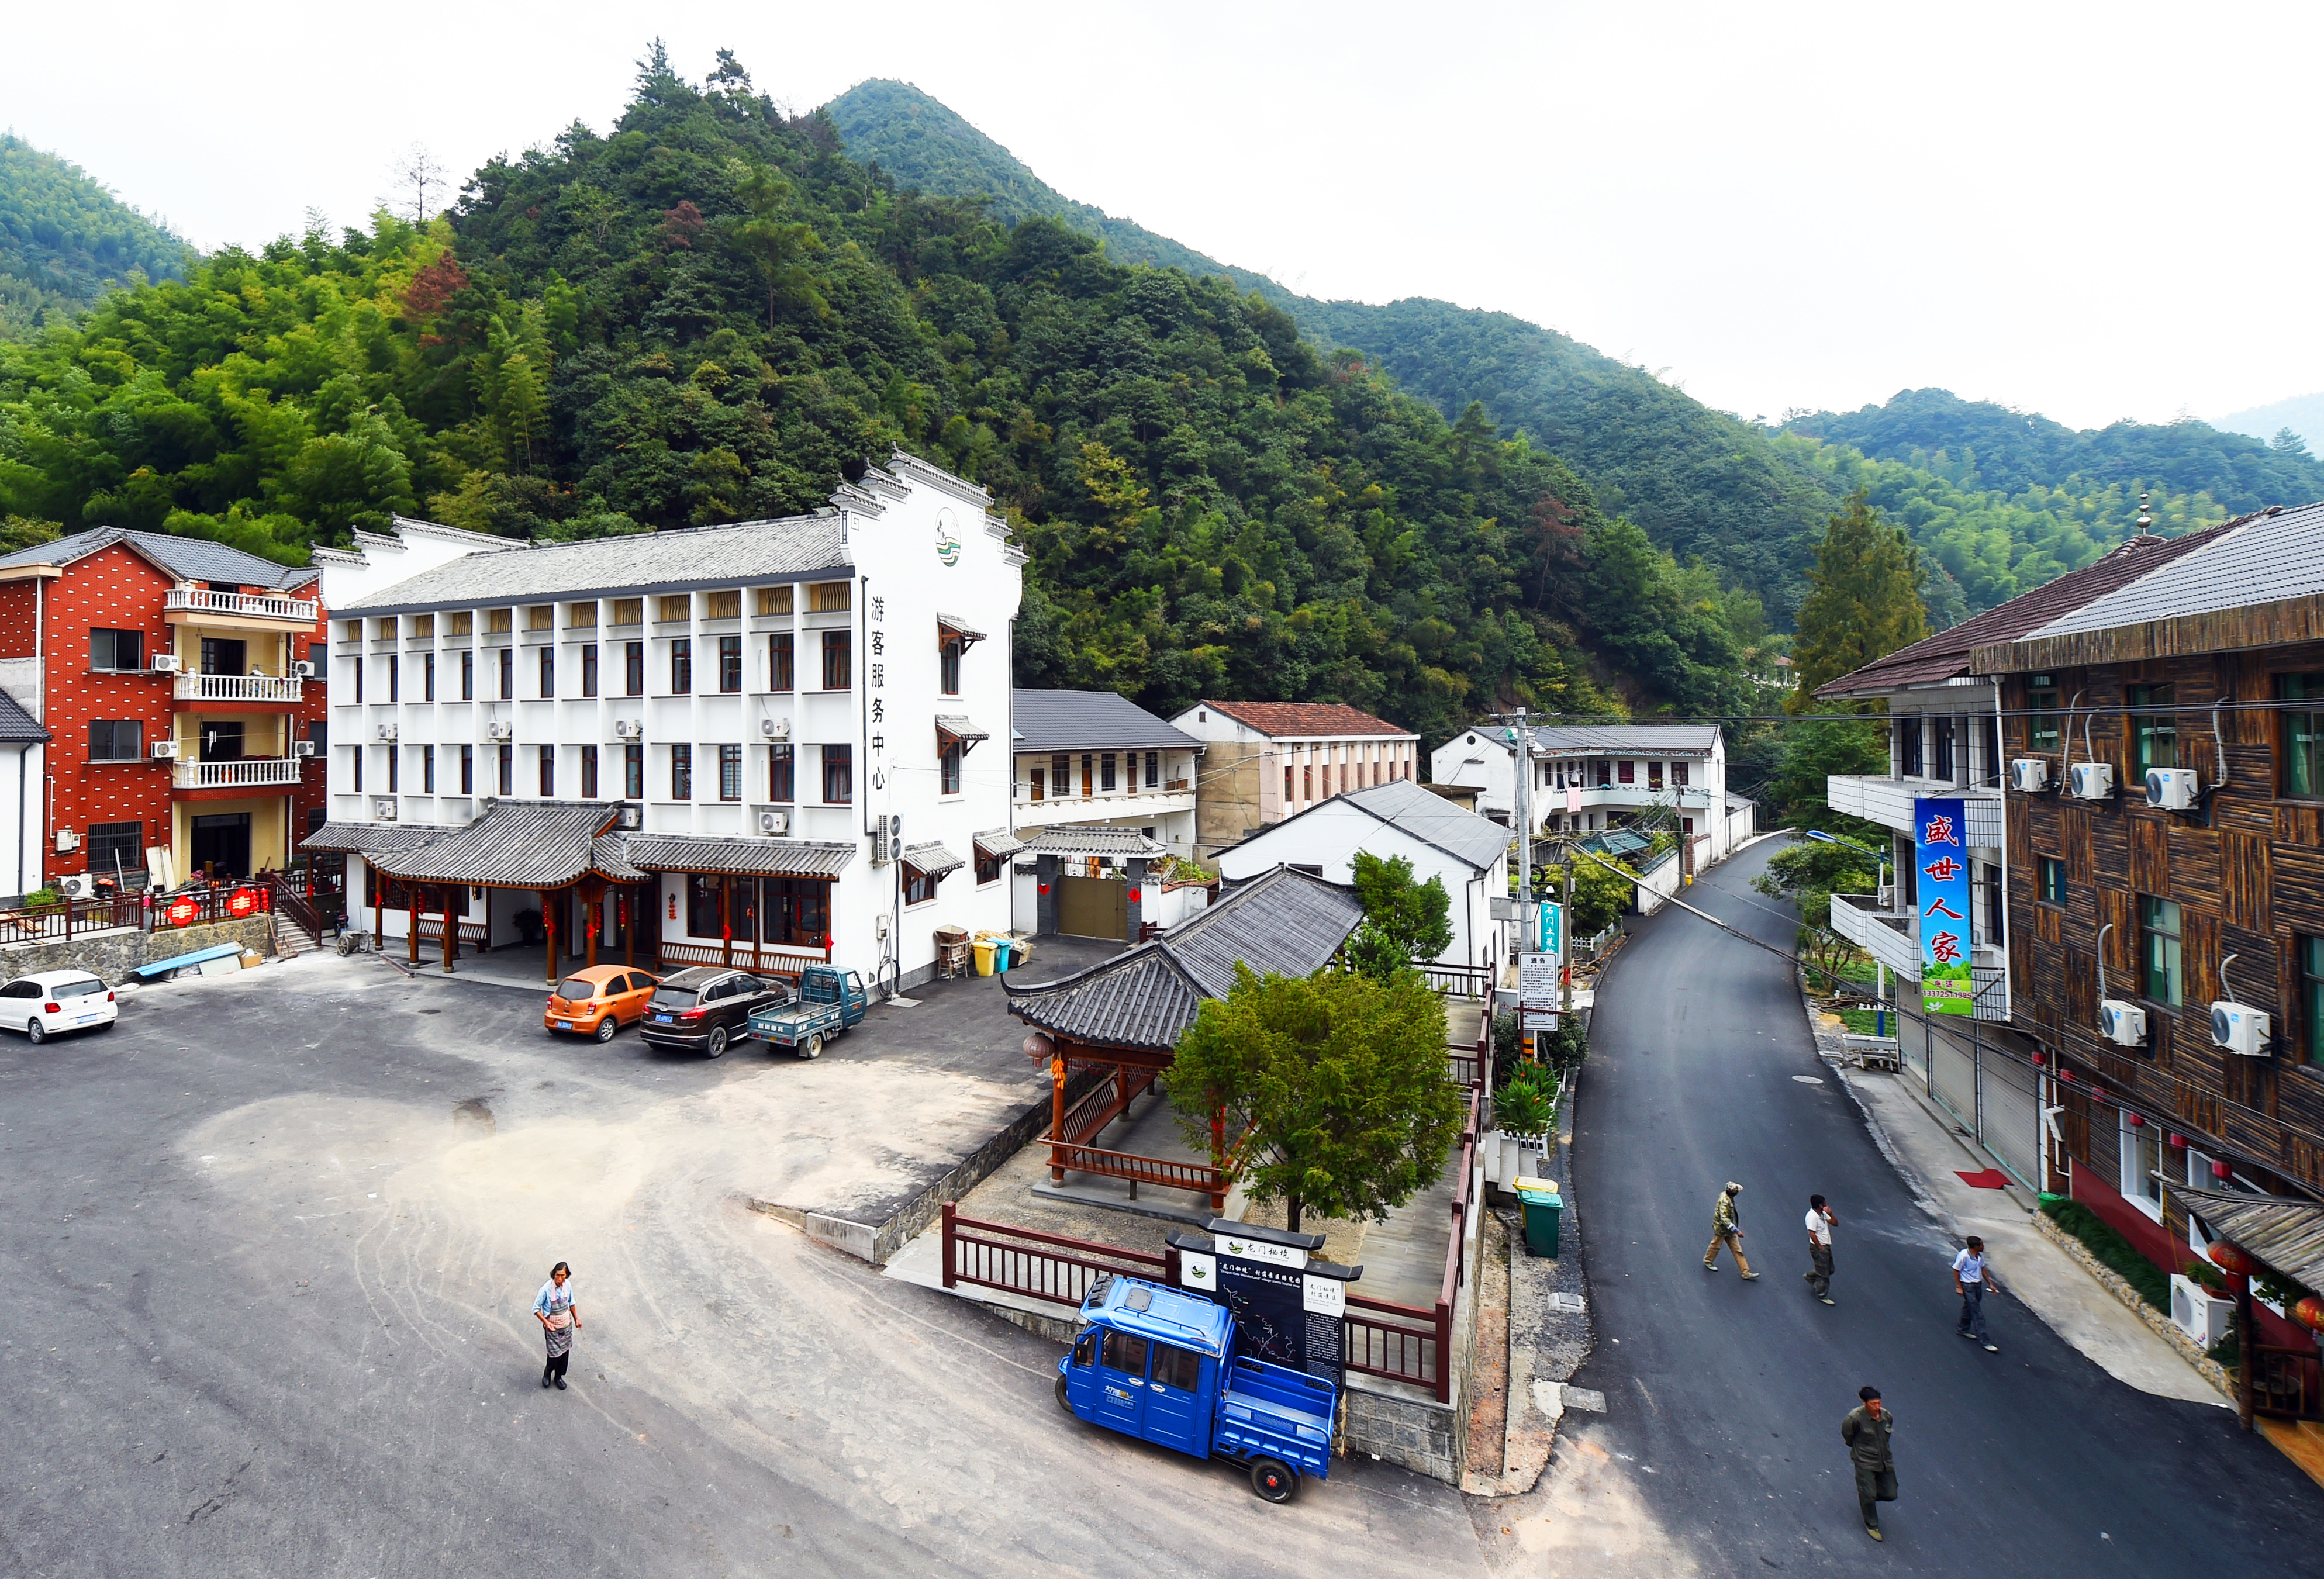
<point x="1969" y="1281"/>
<point x="1820" y="1217"/>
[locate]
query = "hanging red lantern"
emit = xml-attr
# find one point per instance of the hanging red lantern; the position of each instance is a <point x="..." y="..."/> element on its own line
<point x="2065" y="1074"/>
<point x="2223" y="1170"/>
<point x="2041" y="1060"/>
<point x="2229" y="1257"/>
<point x="2137" y="1122"/>
<point x="2309" y="1313"/>
<point x="2177" y="1141"/>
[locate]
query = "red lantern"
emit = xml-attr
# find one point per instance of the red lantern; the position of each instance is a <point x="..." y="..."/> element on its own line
<point x="2040" y="1059"/>
<point x="2177" y="1141"/>
<point x="2137" y="1122"/>
<point x="2229" y="1257"/>
<point x="2223" y="1170"/>
<point x="2309" y="1313"/>
<point x="2065" y="1074"/>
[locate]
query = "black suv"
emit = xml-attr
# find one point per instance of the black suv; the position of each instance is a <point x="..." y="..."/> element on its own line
<point x="704" y="1009"/>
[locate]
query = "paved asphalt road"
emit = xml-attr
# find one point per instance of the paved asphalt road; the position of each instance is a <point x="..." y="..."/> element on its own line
<point x="269" y="1251"/>
<point x="1725" y="1398"/>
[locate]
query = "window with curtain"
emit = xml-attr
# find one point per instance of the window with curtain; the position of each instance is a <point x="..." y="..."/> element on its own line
<point x="589" y="670"/>
<point x="681" y="772"/>
<point x="838" y="651"/>
<point x="782" y="774"/>
<point x="548" y="771"/>
<point x="730" y="663"/>
<point x="681" y="666"/>
<point x="729" y="773"/>
<point x="838" y="775"/>
<point x="2153" y="735"/>
<point x="2303" y="733"/>
<point x="782" y="669"/>
<point x="589" y="773"/>
<point x="2162" y="978"/>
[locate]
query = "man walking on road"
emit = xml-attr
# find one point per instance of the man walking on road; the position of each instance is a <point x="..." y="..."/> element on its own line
<point x="1821" y="1218"/>
<point x="1726" y="1229"/>
<point x="1865" y="1431"/>
<point x="1969" y="1281"/>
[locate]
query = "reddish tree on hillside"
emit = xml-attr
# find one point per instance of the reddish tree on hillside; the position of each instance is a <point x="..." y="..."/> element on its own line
<point x="432" y="289"/>
<point x="683" y="226"/>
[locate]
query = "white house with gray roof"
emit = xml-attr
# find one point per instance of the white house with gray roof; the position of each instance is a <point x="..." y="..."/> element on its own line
<point x="789" y="721"/>
<point x="1468" y="852"/>
<point x="1591" y="777"/>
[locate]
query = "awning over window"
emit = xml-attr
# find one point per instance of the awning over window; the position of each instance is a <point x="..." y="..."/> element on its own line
<point x="998" y="844"/>
<point x="961" y="629"/>
<point x="931" y="859"/>
<point x="699" y="854"/>
<point x="955" y="726"/>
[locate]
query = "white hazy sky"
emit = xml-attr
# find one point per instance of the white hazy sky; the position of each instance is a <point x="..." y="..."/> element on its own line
<point x="2095" y="211"/>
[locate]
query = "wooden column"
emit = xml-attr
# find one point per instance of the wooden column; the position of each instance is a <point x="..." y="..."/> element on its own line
<point x="378" y="906"/>
<point x="2246" y="1351"/>
<point x="549" y="930"/>
<point x="451" y="930"/>
<point x="629" y="931"/>
<point x="1218" y="1157"/>
<point x="726" y="921"/>
<point x="411" y="904"/>
<point x="1058" y="1116"/>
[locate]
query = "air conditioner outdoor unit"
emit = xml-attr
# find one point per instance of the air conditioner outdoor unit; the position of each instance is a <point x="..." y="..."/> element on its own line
<point x="2240" y="1028"/>
<point x="630" y="818"/>
<point x="2197" y="1312"/>
<point x="887" y="837"/>
<point x="774" y="822"/>
<point x="499" y="731"/>
<point x="164" y="663"/>
<point x="304" y="748"/>
<point x="387" y="731"/>
<point x="2123" y="1024"/>
<point x="775" y="728"/>
<point x="2091" y="781"/>
<point x="384" y="808"/>
<point x="164" y="751"/>
<point x="2171" y="789"/>
<point x="2030" y="774"/>
<point x="67" y="841"/>
<point x="628" y="729"/>
<point x="76" y="886"/>
<point x="303" y="669"/>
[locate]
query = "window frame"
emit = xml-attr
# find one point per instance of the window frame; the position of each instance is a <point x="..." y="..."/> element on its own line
<point x="949" y="648"/>
<point x="633" y="669"/>
<point x="2308" y="975"/>
<point x="838" y="763"/>
<point x="730" y="665"/>
<point x="2161" y="952"/>
<point x="548" y="672"/>
<point x="633" y="770"/>
<point x="589" y="771"/>
<point x="549" y="772"/>
<point x="2044" y="722"/>
<point x="782" y="661"/>
<point x="782" y="774"/>
<point x="103" y="837"/>
<point x="681" y="666"/>
<point x="2141" y="1186"/>
<point x="681" y="771"/>
<point x="137" y="641"/>
<point x="2050" y="880"/>
<point x="948" y="766"/>
<point x="2146" y="730"/>
<point x="729" y="773"/>
<point x="589" y="669"/>
<point x="112" y="728"/>
<point x="427" y="768"/>
<point x="467" y="769"/>
<point x="838" y="659"/>
<point x="2295" y="687"/>
<point x="467" y="677"/>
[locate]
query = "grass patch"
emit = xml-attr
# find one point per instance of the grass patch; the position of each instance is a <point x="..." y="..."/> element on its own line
<point x="2113" y="1252"/>
<point x="1864" y="1021"/>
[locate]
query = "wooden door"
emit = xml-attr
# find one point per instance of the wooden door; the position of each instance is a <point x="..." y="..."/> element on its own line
<point x="1093" y="907"/>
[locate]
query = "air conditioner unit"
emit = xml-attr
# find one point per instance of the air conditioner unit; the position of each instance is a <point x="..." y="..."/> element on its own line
<point x="499" y="731"/>
<point x="2123" y="1024"/>
<point x="2240" y="1028"/>
<point x="387" y="732"/>
<point x="775" y="728"/>
<point x="164" y="663"/>
<point x="67" y="841"/>
<point x="2197" y="1312"/>
<point x="2030" y="774"/>
<point x="2091" y="781"/>
<point x="164" y="751"/>
<point x="630" y="818"/>
<point x="887" y="837"/>
<point x="303" y="669"/>
<point x="2172" y="789"/>
<point x="628" y="729"/>
<point x="774" y="822"/>
<point x="76" y="886"/>
<point x="303" y="748"/>
<point x="384" y="808"/>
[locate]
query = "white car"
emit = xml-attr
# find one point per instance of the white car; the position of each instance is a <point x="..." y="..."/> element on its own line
<point x="48" y="1001"/>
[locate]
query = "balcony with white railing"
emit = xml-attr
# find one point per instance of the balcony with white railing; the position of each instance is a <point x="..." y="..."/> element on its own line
<point x="239" y="773"/>
<point x="1888" y="801"/>
<point x="239" y="605"/>
<point x="1169" y="799"/>
<point x="238" y="687"/>
<point x="1891" y="938"/>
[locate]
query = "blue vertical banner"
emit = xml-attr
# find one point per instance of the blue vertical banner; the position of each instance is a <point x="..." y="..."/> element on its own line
<point x="1940" y="855"/>
<point x="1553" y="928"/>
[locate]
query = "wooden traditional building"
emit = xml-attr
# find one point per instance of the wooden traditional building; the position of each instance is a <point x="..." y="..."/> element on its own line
<point x="2153" y="915"/>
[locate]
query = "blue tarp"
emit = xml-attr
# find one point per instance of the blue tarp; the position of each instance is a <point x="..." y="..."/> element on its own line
<point x="163" y="967"/>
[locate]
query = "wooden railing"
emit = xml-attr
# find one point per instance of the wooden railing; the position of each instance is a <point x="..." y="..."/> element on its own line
<point x="285" y="896"/>
<point x="1039" y="1266"/>
<point x="1198" y="1176"/>
<point x="1457" y="981"/>
<point x="142" y="912"/>
<point x="745" y="957"/>
<point x="1401" y="1342"/>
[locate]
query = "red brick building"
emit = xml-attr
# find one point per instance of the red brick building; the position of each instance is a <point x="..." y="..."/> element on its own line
<point x="167" y="673"/>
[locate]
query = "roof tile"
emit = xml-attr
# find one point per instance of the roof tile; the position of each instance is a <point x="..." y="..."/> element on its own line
<point x="1298" y="720"/>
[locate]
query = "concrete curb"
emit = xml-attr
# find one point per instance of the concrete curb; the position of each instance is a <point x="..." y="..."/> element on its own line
<point x="2115" y="1284"/>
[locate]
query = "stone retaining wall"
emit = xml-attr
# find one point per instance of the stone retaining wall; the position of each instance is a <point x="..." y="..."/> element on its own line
<point x="114" y="953"/>
<point x="2115" y="1284"/>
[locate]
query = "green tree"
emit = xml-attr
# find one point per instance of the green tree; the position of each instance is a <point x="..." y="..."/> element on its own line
<point x="1808" y="874"/>
<point x="1335" y="1083"/>
<point x="1601" y="897"/>
<point x="1812" y="749"/>
<point x="1403" y="921"/>
<point x="1863" y="601"/>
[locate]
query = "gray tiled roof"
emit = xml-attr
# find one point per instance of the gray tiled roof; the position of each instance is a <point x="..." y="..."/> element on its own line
<point x="1419" y="812"/>
<point x="18" y="727"/>
<point x="641" y="563"/>
<point x="517" y="844"/>
<point x="932" y="858"/>
<point x="1283" y="923"/>
<point x="2268" y="560"/>
<point x="2286" y="1233"/>
<point x="1070" y="840"/>
<point x="364" y="838"/>
<point x="999" y="843"/>
<point x="760" y="857"/>
<point x="1615" y="739"/>
<point x="1072" y="720"/>
<point x="189" y="559"/>
<point x="957" y="725"/>
<point x="967" y="633"/>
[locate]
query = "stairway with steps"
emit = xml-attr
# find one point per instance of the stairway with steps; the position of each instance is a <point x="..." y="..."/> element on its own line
<point x="291" y="940"/>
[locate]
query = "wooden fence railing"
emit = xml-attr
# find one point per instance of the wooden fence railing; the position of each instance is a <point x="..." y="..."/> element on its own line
<point x="144" y="913"/>
<point x="1039" y="1266"/>
<point x="1457" y="981"/>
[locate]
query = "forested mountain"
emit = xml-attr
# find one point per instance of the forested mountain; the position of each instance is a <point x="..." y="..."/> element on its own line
<point x="711" y="312"/>
<point x="2302" y="414"/>
<point x="65" y="240"/>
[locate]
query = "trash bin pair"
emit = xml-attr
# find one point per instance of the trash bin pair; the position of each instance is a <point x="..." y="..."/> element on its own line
<point x="1542" y="1206"/>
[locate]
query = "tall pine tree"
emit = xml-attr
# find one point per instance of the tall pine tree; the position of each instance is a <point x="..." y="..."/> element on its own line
<point x="1863" y="600"/>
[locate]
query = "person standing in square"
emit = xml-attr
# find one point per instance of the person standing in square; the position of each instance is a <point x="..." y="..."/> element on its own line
<point x="1820" y="1217"/>
<point x="1866" y="1430"/>
<point x="1971" y="1281"/>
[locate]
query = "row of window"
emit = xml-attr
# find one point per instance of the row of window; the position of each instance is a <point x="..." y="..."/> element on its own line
<point x="2153" y="730"/>
<point x="218" y="740"/>
<point x="1103" y="772"/>
<point x="838" y="669"/>
<point x="1604" y="773"/>
<point x="1934" y="746"/>
<point x="1351" y="777"/>
<point x="838" y="764"/>
<point x="823" y="597"/>
<point x="2162" y="976"/>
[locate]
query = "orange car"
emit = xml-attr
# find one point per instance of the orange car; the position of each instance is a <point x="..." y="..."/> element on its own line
<point x="599" y="1001"/>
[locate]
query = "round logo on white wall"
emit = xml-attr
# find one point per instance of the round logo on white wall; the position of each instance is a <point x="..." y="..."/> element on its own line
<point x="947" y="538"/>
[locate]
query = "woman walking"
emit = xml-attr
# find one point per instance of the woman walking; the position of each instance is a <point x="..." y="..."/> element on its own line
<point x="558" y="1316"/>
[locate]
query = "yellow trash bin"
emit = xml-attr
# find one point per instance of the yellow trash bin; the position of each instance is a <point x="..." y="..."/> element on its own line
<point x="983" y="948"/>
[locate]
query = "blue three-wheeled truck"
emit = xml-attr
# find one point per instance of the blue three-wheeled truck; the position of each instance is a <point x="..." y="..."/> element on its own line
<point x="1154" y="1363"/>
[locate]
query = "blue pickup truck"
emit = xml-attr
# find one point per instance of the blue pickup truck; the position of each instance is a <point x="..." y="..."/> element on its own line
<point x="829" y="1001"/>
<point x="1158" y="1363"/>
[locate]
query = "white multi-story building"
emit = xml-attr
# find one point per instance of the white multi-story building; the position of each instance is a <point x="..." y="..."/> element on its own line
<point x="1096" y="759"/>
<point x="1264" y="761"/>
<point x="784" y="723"/>
<point x="1592" y="777"/>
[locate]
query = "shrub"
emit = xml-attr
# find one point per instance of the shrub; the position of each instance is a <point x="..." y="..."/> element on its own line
<point x="2114" y="1252"/>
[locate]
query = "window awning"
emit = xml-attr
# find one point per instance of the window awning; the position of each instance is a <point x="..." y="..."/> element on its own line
<point x="956" y="727"/>
<point x="961" y="629"/>
<point x="998" y="844"/>
<point x="931" y="859"/>
<point x="2283" y="1231"/>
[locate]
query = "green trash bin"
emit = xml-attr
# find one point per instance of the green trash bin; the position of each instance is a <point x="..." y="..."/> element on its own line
<point x="1542" y="1206"/>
